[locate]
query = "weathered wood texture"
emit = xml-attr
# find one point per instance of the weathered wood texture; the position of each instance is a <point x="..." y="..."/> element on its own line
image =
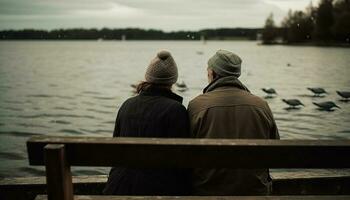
<point x="27" y="188"/>
<point x="204" y="153"/>
<point x="58" y="174"/>
<point x="207" y="198"/>
<point x="303" y="182"/>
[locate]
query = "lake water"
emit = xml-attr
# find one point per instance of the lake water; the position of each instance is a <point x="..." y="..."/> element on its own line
<point x="74" y="88"/>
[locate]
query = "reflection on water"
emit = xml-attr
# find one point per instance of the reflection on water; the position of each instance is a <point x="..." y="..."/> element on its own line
<point x="75" y="88"/>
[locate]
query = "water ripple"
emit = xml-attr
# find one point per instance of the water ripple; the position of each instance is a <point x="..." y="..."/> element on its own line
<point x="344" y="131"/>
<point x="285" y="119"/>
<point x="33" y="171"/>
<point x="40" y="96"/>
<point x="98" y="131"/>
<point x="88" y="103"/>
<point x="63" y="97"/>
<point x="11" y="156"/>
<point x="306" y="115"/>
<point x="50" y="96"/>
<point x="32" y="125"/>
<point x="300" y="128"/>
<point x="59" y="122"/>
<point x="71" y="131"/>
<point x="18" y="133"/>
<point x="5" y="87"/>
<point x="62" y="108"/>
<point x="109" y="122"/>
<point x="103" y="98"/>
<point x="56" y="116"/>
<point x="14" y="102"/>
<point x="99" y="111"/>
<point x="53" y="85"/>
<point x="111" y="106"/>
<point x="90" y="92"/>
<point x="11" y="108"/>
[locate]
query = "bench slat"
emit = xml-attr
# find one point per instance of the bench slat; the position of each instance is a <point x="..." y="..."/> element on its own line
<point x="204" y="153"/>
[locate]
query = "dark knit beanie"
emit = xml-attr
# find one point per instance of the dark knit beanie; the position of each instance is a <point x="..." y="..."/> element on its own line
<point x="162" y="69"/>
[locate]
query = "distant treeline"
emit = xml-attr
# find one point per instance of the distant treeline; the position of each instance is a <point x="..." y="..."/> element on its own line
<point x="327" y="23"/>
<point x="129" y="34"/>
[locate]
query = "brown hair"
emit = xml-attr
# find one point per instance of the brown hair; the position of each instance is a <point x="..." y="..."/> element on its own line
<point x="142" y="86"/>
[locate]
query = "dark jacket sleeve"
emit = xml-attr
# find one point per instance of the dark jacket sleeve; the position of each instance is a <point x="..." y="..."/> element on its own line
<point x="116" y="132"/>
<point x="178" y="122"/>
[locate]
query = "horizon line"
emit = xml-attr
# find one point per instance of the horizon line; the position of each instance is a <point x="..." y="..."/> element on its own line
<point x="148" y="29"/>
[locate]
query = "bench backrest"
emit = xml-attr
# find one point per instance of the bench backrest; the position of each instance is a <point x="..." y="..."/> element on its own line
<point x="59" y="153"/>
<point x="204" y="153"/>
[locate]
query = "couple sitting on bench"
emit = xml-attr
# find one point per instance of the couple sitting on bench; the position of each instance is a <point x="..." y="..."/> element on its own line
<point x="226" y="109"/>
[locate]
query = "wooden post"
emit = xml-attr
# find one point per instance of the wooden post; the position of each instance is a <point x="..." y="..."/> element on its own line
<point x="58" y="174"/>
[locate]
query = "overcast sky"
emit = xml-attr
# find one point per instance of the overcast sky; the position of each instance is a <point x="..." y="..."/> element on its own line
<point x="159" y="14"/>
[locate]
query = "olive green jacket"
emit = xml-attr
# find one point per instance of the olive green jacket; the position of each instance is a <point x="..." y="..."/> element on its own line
<point x="228" y="110"/>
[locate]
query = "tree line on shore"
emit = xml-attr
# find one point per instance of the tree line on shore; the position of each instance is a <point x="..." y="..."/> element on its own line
<point x="327" y="23"/>
<point x="129" y="34"/>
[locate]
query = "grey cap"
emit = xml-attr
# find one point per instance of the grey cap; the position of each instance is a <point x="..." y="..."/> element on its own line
<point x="225" y="63"/>
<point x="162" y="69"/>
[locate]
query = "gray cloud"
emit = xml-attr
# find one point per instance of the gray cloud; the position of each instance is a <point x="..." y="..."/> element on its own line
<point x="50" y="7"/>
<point x="160" y="14"/>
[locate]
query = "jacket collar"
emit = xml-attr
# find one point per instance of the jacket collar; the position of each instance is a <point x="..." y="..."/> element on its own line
<point x="162" y="92"/>
<point x="230" y="81"/>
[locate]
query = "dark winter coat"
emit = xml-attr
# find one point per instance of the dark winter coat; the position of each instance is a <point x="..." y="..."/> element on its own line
<point x="228" y="110"/>
<point x="153" y="113"/>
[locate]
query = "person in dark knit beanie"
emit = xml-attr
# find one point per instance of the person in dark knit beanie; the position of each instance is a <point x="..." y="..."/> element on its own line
<point x="162" y="69"/>
<point x="161" y="72"/>
<point x="156" y="112"/>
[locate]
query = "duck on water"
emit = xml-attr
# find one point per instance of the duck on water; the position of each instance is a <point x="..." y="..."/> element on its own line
<point x="293" y="103"/>
<point x="270" y="92"/>
<point x="317" y="91"/>
<point x="327" y="105"/>
<point x="344" y="94"/>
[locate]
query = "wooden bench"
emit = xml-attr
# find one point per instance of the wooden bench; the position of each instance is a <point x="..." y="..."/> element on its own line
<point x="59" y="153"/>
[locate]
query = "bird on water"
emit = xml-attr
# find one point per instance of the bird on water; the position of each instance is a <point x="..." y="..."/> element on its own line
<point x="181" y="87"/>
<point x="293" y="102"/>
<point x="269" y="91"/>
<point x="317" y="91"/>
<point x="327" y="105"/>
<point x="344" y="94"/>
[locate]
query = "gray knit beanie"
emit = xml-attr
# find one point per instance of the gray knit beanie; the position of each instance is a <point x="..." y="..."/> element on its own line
<point x="225" y="63"/>
<point x="162" y="69"/>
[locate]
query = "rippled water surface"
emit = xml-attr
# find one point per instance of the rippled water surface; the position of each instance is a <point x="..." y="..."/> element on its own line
<point x="75" y="88"/>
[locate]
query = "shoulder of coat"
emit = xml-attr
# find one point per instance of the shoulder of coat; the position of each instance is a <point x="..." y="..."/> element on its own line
<point x="205" y="101"/>
<point x="175" y="105"/>
<point x="198" y="100"/>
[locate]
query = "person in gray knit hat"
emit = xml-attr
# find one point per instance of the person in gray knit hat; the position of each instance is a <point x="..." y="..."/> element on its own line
<point x="225" y="63"/>
<point x="227" y="109"/>
<point x="154" y="112"/>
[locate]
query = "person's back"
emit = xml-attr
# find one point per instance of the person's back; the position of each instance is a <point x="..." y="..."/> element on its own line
<point x="228" y="110"/>
<point x="154" y="112"/>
